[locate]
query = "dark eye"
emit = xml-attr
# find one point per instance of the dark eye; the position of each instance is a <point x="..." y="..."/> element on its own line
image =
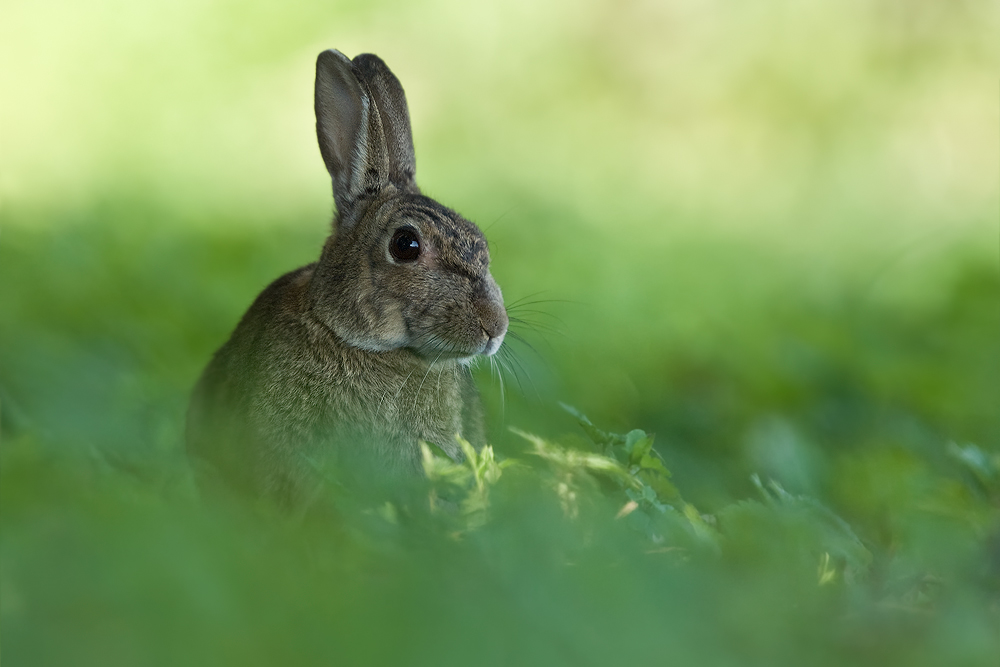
<point x="404" y="246"/>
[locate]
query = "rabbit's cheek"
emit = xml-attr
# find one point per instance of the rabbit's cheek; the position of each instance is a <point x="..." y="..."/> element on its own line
<point x="365" y="319"/>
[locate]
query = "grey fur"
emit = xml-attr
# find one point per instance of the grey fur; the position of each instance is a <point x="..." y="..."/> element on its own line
<point x="357" y="357"/>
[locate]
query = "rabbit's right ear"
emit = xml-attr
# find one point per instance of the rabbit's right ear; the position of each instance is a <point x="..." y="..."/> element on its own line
<point x="390" y="100"/>
<point x="350" y="135"/>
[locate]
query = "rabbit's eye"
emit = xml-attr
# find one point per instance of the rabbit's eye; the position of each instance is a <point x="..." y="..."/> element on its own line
<point x="404" y="246"/>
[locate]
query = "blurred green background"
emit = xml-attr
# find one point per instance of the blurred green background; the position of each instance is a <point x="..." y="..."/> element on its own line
<point x="765" y="231"/>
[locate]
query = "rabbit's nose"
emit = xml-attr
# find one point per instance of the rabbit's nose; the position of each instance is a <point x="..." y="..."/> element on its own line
<point x="494" y="321"/>
<point x="487" y="304"/>
<point x="488" y="307"/>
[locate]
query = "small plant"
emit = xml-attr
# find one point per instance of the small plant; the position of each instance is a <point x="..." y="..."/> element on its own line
<point x="466" y="483"/>
<point x="626" y="470"/>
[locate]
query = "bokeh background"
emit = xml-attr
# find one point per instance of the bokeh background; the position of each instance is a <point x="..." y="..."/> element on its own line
<point x="766" y="231"/>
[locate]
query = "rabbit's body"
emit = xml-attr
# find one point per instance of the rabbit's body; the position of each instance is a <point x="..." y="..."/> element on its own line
<point x="360" y="356"/>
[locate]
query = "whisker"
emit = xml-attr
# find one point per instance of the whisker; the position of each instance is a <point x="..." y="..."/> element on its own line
<point x="524" y="298"/>
<point x="535" y="326"/>
<point x="533" y="312"/>
<point x="416" y="395"/>
<point x="503" y="395"/>
<point x="511" y="349"/>
<point x="524" y="302"/>
<point x="505" y="362"/>
<point x="519" y="368"/>
<point x="487" y="228"/>
<point x="521" y="339"/>
<point x="399" y="390"/>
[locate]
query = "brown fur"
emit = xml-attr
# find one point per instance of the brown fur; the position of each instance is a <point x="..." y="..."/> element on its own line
<point x="358" y="357"/>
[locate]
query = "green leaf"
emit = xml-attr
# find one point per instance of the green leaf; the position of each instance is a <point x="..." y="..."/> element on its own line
<point x="653" y="463"/>
<point x="576" y="462"/>
<point x="663" y="487"/>
<point x="632" y="437"/>
<point x="600" y="438"/>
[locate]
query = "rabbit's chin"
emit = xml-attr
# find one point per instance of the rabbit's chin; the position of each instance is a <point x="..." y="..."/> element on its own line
<point x="437" y="356"/>
<point x="464" y="357"/>
<point x="489" y="349"/>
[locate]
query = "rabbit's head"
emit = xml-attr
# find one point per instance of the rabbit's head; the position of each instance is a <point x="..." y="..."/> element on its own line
<point x="400" y="270"/>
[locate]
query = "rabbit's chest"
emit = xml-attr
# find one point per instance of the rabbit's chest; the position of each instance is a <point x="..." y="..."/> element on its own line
<point x="394" y="406"/>
<point x="426" y="407"/>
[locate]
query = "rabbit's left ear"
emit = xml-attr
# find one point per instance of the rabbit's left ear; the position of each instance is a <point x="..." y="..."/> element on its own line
<point x="390" y="100"/>
<point x="349" y="130"/>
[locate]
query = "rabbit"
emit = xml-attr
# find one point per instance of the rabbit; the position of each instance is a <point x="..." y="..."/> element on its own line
<point x="366" y="352"/>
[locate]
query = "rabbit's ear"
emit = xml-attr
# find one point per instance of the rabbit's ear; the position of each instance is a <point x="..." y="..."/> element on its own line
<point x="350" y="134"/>
<point x="390" y="100"/>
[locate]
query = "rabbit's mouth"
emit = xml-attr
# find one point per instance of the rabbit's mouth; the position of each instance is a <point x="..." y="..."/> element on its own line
<point x="487" y="348"/>
<point x="492" y="345"/>
<point x="435" y="354"/>
<point x="435" y="348"/>
<point x="494" y="340"/>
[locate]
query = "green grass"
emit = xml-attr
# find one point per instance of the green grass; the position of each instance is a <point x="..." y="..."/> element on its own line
<point x="877" y="543"/>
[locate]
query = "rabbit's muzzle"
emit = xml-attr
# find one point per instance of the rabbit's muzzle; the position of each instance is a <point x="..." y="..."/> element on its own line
<point x="487" y="304"/>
